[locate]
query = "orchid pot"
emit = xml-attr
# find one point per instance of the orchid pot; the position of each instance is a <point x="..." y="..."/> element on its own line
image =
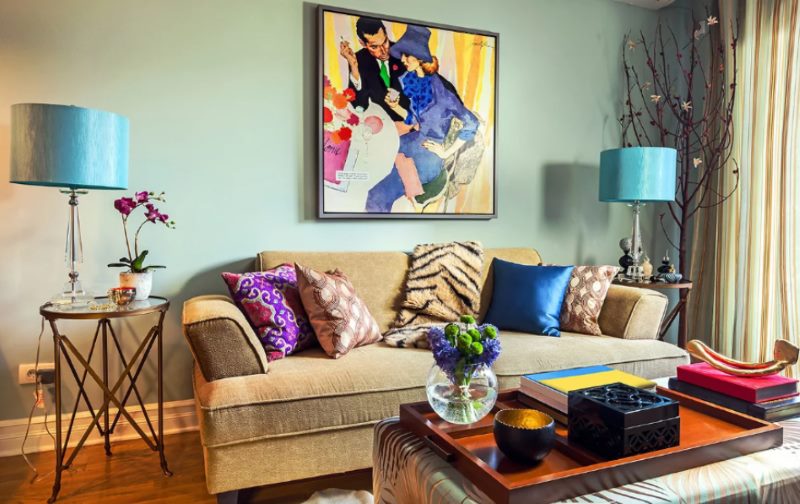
<point x="139" y="275"/>
<point x="142" y="282"/>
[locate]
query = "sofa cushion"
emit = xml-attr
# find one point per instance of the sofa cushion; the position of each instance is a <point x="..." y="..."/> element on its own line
<point x="528" y="298"/>
<point x="340" y="318"/>
<point x="516" y="255"/>
<point x="586" y="293"/>
<point x="271" y="302"/>
<point x="311" y="392"/>
<point x="520" y="356"/>
<point x="443" y="283"/>
<point x="377" y="277"/>
<point x="383" y="297"/>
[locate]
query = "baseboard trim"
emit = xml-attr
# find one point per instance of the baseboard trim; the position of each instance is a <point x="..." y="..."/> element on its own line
<point x="179" y="416"/>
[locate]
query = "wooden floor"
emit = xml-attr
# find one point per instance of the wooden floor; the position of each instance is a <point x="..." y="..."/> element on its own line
<point x="133" y="474"/>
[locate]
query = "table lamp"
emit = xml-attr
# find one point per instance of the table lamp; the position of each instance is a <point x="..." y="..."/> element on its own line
<point x="73" y="148"/>
<point x="637" y="175"/>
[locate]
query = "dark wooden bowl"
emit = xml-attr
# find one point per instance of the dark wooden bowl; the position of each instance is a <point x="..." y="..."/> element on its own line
<point x="525" y="436"/>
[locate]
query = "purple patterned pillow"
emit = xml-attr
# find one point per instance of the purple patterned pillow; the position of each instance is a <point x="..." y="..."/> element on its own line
<point x="271" y="302"/>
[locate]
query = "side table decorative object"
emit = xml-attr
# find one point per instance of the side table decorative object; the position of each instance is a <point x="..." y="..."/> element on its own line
<point x="102" y="310"/>
<point x="684" y="287"/>
<point x="667" y="272"/>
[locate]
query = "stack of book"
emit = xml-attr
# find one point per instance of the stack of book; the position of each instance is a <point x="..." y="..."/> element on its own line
<point x="552" y="388"/>
<point x="770" y="398"/>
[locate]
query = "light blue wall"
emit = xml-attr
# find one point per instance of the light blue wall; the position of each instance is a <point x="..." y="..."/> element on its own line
<point x="220" y="97"/>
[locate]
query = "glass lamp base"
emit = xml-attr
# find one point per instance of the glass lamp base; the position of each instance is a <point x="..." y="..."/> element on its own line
<point x="73" y="295"/>
<point x="635" y="272"/>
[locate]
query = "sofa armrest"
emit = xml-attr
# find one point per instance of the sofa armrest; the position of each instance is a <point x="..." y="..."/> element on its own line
<point x="632" y="313"/>
<point x="221" y="339"/>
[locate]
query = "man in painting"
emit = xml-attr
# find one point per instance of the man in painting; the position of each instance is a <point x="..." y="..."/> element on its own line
<point x="373" y="71"/>
<point x="439" y="125"/>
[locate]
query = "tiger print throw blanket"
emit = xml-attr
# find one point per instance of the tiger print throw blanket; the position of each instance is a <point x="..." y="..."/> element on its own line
<point x="443" y="283"/>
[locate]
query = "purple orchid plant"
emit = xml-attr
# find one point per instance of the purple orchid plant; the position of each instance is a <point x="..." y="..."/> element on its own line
<point x="459" y="349"/>
<point x="125" y="206"/>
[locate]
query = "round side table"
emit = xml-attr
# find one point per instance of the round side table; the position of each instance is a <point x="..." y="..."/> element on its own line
<point x="102" y="311"/>
<point x="684" y="287"/>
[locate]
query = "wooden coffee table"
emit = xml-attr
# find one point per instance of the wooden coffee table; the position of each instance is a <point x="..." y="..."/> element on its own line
<point x="407" y="469"/>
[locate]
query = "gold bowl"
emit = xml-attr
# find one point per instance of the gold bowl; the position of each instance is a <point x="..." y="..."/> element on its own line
<point x="122" y="296"/>
<point x="524" y="435"/>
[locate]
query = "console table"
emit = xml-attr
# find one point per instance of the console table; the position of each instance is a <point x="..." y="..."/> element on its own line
<point x="679" y="309"/>
<point x="102" y="311"/>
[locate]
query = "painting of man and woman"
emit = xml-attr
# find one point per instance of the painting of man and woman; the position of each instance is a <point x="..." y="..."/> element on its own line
<point x="408" y="114"/>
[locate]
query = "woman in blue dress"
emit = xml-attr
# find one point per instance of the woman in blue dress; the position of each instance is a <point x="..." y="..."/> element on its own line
<point x="433" y="106"/>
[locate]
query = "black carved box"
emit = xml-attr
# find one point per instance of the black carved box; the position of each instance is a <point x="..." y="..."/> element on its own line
<point x="618" y="421"/>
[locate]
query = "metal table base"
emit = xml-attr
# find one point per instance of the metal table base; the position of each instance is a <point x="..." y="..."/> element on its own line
<point x="64" y="349"/>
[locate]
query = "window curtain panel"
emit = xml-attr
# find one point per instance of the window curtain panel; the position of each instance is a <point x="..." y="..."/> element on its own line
<point x="745" y="252"/>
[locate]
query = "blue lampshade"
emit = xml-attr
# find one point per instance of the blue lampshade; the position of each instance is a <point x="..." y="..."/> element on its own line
<point x="638" y="174"/>
<point x="66" y="146"/>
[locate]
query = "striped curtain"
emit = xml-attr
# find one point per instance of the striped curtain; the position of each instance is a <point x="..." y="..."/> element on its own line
<point x="745" y="257"/>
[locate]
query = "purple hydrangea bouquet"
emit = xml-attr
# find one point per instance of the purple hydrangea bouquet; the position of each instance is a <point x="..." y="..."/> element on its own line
<point x="462" y="387"/>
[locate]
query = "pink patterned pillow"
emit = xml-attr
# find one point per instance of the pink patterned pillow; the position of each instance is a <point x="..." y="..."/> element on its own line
<point x="340" y="318"/>
<point x="271" y="302"/>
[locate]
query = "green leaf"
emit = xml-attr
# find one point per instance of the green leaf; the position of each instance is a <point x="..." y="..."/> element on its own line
<point x="124" y="260"/>
<point x="138" y="263"/>
<point x="153" y="267"/>
<point x="118" y="265"/>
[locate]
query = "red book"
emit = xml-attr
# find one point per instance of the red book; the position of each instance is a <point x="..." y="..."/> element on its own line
<point x="756" y="389"/>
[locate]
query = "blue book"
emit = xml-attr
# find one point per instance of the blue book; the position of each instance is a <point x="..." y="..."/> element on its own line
<point x="567" y="372"/>
<point x="532" y="386"/>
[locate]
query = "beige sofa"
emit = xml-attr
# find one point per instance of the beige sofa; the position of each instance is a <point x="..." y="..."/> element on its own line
<point x="310" y="415"/>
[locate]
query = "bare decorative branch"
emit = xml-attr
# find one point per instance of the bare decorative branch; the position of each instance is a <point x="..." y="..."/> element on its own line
<point x="677" y="95"/>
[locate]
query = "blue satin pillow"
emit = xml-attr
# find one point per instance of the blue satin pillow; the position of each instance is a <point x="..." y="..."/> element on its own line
<point x="528" y="298"/>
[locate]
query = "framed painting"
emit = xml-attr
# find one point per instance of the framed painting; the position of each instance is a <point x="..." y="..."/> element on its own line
<point x="407" y="118"/>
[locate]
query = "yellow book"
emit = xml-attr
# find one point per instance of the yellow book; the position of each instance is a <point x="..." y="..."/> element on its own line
<point x="570" y="383"/>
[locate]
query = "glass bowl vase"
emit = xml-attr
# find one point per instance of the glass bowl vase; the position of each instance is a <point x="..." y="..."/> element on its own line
<point x="465" y="398"/>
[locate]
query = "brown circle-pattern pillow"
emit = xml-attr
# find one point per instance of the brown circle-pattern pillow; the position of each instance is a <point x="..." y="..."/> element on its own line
<point x="339" y="317"/>
<point x="585" y="296"/>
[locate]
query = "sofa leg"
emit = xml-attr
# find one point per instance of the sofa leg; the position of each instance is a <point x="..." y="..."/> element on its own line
<point x="231" y="497"/>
